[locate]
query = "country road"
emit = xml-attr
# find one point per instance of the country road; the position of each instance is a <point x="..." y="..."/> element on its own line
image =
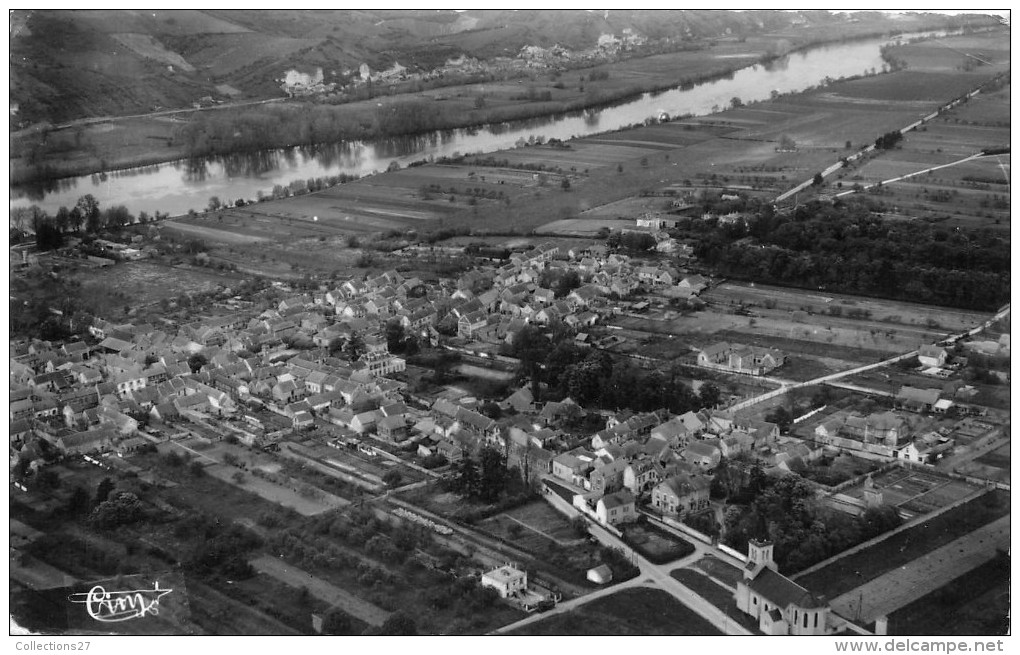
<point x="910" y="175"/>
<point x="861" y="153"/>
<point x="95" y="120"/>
<point x="744" y="404"/>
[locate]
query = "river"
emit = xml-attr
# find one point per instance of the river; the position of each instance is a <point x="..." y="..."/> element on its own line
<point x="178" y="186"/>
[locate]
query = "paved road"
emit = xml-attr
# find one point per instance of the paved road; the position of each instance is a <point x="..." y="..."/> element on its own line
<point x="901" y="586"/>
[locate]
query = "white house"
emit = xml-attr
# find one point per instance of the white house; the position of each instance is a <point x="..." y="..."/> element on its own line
<point x="506" y="580"/>
<point x="616" y="508"/>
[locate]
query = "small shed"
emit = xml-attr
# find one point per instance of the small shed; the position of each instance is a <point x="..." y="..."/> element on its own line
<point x="601" y="574"/>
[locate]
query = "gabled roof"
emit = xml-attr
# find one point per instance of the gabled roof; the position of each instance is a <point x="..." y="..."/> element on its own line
<point x="392" y="422"/>
<point x="783" y="592"/>
<point x="924" y="396"/>
<point x="702" y="449"/>
<point x="682" y="485"/>
<point x="929" y="350"/>
<point x="618" y="499"/>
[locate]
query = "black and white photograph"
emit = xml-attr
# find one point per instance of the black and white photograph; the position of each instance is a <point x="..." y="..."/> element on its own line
<point x="666" y="323"/>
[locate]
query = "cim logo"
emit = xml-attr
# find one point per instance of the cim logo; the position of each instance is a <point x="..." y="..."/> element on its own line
<point x="116" y="606"/>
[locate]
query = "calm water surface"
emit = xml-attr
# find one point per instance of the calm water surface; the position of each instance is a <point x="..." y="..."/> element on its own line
<point x="178" y="186"/>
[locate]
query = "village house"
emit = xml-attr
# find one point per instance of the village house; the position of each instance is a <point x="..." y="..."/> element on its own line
<point x="681" y="495"/>
<point x="573" y="467"/>
<point x="616" y="508"/>
<point x="469" y="324"/>
<point x="917" y="400"/>
<point x="393" y="428"/>
<point x="506" y="580"/>
<point x="737" y="358"/>
<point x="703" y="454"/>
<point x="929" y="355"/>
<point x="640" y="476"/>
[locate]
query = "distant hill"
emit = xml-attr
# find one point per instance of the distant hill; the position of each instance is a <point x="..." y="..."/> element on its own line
<point x="69" y="64"/>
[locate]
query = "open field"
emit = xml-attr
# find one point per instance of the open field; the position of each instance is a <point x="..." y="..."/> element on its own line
<point x="910" y="318"/>
<point x="630" y="612"/>
<point x="814" y="328"/>
<point x="993" y="465"/>
<point x="532" y="534"/>
<point x="541" y="516"/>
<point x="334" y="596"/>
<point x="583" y="226"/>
<point x="716" y="594"/>
<point x="975" y="194"/>
<point x="851" y="571"/>
<point x="899" y="586"/>
<point x="720" y="570"/>
<point x="277" y="494"/>
<point x="150" y="282"/>
<point x="971" y="194"/>
<point x="978" y="601"/>
<point x="486" y="193"/>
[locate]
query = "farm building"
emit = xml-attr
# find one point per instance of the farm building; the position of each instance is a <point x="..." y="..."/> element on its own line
<point x="737" y="358"/>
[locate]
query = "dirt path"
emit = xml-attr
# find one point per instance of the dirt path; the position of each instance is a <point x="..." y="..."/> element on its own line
<point x="910" y="175"/>
<point x="295" y="577"/>
<point x="898" y="587"/>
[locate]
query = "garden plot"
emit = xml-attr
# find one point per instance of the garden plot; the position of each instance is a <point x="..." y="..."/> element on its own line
<point x="917" y="492"/>
<point x="146" y="282"/>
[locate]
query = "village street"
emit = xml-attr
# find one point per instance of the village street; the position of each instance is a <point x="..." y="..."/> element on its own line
<point x="651" y="575"/>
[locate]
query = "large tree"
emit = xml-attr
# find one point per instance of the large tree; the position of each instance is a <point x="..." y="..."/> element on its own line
<point x="88" y="207"/>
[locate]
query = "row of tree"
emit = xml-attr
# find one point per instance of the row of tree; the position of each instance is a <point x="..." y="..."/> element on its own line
<point x="85" y="217"/>
<point x="848" y="247"/>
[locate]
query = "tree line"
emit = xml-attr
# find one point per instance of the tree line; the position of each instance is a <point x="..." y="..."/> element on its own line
<point x="848" y="247"/>
<point x="85" y="217"/>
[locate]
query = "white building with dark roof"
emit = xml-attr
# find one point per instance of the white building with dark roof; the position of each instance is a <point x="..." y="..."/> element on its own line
<point x="781" y="606"/>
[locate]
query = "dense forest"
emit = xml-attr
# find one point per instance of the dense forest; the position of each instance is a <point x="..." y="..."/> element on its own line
<point x="848" y="247"/>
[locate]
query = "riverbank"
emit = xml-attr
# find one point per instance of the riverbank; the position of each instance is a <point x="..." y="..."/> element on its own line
<point x="38" y="158"/>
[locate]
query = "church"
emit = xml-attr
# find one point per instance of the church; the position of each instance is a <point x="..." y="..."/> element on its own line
<point x="781" y="606"/>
